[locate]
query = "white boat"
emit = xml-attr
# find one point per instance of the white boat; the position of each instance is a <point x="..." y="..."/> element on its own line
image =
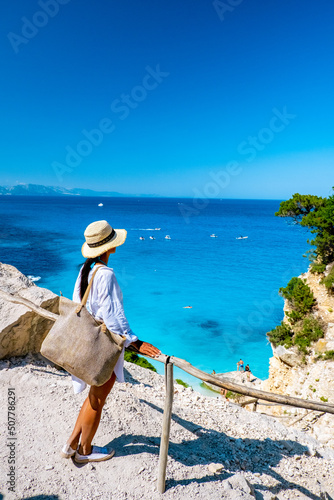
<point x="242" y="238"/>
<point x="141" y="237"/>
<point x="157" y="228"/>
<point x="152" y="238"/>
<point x="167" y="237"/>
<point x="213" y="235"/>
<point x="100" y="205"/>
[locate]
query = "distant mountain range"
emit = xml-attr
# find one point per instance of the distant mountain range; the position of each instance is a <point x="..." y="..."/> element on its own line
<point x="38" y="190"/>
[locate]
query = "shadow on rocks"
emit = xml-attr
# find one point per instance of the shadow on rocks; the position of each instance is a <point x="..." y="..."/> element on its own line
<point x="208" y="445"/>
<point x="39" y="363"/>
<point x="42" y="497"/>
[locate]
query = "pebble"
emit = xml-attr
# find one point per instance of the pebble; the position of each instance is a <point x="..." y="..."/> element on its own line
<point x="215" y="468"/>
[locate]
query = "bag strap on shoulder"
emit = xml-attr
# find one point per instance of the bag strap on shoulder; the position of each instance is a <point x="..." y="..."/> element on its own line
<point x="85" y="297"/>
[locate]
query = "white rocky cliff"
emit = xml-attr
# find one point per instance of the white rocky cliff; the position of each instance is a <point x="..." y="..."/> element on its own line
<point x="22" y="330"/>
<point x="308" y="377"/>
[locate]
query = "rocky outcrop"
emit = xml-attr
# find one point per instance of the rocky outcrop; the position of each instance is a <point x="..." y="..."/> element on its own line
<point x="238" y="377"/>
<point x="22" y="330"/>
<point x="307" y="377"/>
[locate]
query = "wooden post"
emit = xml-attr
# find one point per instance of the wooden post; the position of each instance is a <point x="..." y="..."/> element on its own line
<point x="248" y="402"/>
<point x="164" y="443"/>
<point x="255" y="405"/>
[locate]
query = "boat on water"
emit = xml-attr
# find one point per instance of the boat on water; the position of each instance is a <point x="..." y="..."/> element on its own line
<point x="213" y="235"/>
<point x="141" y="237"/>
<point x="167" y="237"/>
<point x="152" y="238"/>
<point x="242" y="238"/>
<point x="157" y="229"/>
<point x="100" y="205"/>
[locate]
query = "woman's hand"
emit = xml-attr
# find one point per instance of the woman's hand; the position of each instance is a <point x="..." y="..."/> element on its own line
<point x="146" y="349"/>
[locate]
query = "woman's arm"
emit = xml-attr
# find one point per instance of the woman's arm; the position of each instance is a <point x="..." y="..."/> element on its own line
<point x="145" y="348"/>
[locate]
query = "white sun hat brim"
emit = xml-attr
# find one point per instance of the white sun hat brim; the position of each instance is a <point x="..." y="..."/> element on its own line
<point x="117" y="240"/>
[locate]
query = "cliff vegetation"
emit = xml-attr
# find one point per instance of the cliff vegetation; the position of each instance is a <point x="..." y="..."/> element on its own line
<point x="303" y="344"/>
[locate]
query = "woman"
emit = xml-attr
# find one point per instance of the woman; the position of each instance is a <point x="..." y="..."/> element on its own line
<point x="105" y="303"/>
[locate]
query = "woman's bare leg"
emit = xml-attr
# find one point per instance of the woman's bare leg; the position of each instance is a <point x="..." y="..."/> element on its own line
<point x="89" y="417"/>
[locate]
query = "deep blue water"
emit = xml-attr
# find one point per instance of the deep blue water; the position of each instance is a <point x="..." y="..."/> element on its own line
<point x="232" y="285"/>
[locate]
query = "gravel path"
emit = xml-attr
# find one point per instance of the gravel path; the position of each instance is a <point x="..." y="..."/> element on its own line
<point x="217" y="449"/>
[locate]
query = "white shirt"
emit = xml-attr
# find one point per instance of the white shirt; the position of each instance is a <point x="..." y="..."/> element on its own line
<point x="105" y="303"/>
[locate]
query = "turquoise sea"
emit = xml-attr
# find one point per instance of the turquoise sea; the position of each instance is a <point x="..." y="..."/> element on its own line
<point x="231" y="284"/>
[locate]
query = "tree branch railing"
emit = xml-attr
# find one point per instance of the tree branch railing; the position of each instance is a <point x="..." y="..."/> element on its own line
<point x="224" y="384"/>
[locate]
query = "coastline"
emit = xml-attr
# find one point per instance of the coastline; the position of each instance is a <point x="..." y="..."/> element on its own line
<point x="226" y="281"/>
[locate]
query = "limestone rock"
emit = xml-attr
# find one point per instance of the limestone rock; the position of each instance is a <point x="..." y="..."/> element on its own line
<point x="238" y="377"/>
<point x="310" y="376"/>
<point x="240" y="486"/>
<point x="321" y="346"/>
<point x="267" y="495"/>
<point x="22" y="330"/>
<point x="329" y="267"/>
<point x="215" y="468"/>
<point x="288" y="356"/>
<point x="330" y="332"/>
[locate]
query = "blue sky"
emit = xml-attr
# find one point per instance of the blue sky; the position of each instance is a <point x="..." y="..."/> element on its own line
<point x="167" y="97"/>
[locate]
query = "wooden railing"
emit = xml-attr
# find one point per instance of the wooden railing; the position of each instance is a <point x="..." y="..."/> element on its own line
<point x="256" y="394"/>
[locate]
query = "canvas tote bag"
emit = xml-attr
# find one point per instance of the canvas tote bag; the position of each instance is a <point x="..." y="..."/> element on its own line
<point x="81" y="345"/>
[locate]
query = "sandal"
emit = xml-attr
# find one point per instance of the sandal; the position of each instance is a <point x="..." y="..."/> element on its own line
<point x="97" y="455"/>
<point x="67" y="451"/>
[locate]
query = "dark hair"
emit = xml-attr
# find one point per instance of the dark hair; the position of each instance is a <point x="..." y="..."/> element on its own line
<point x="84" y="275"/>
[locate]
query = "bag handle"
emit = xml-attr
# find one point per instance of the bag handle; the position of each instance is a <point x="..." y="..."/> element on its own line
<point x="85" y="297"/>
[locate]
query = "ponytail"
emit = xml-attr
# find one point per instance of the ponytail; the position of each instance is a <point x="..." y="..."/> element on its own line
<point x="84" y="275"/>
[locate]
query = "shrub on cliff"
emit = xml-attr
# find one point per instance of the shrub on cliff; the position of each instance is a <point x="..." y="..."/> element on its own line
<point x="328" y="355"/>
<point x="305" y="332"/>
<point x="281" y="335"/>
<point x="317" y="268"/>
<point x="328" y="281"/>
<point x="181" y="382"/>
<point x="317" y="214"/>
<point x="132" y="357"/>
<point x="300" y="298"/>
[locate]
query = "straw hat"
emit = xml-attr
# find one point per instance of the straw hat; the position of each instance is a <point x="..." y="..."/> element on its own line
<point x="100" y="237"/>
